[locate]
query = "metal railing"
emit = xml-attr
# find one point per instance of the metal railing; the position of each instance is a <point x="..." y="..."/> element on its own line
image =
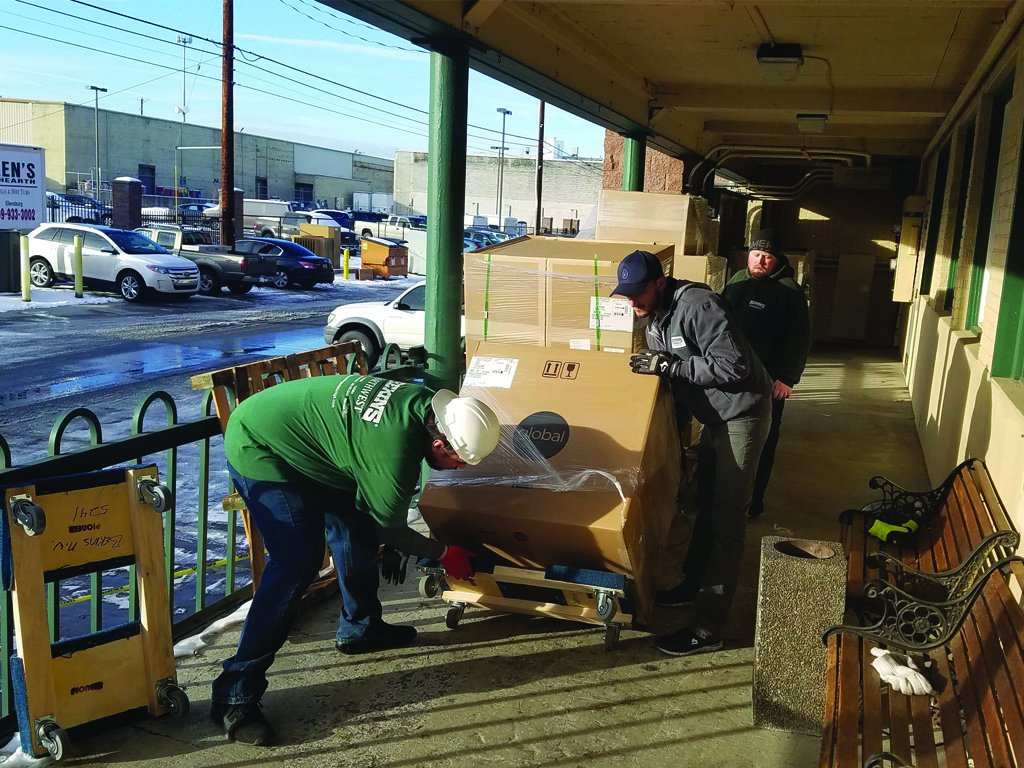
<point x="100" y="600"/>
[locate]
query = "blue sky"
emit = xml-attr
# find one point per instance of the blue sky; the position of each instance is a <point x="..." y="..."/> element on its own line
<point x="145" y="71"/>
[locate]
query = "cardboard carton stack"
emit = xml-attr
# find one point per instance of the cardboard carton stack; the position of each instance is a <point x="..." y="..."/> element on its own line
<point x="586" y="472"/>
<point x="323" y="241"/>
<point x="545" y="291"/>
<point x="667" y="219"/>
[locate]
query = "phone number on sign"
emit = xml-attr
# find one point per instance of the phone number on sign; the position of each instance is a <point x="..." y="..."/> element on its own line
<point x="17" y="214"/>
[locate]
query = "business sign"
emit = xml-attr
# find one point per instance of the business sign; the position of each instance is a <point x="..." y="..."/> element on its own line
<point x="22" y="187"/>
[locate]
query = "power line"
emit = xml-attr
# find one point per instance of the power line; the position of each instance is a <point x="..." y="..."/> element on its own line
<point x="348" y="34"/>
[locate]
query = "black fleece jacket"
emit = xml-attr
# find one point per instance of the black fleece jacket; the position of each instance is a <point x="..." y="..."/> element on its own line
<point x="772" y="312"/>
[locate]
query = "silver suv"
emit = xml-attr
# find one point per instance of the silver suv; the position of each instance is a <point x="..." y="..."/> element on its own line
<point x="128" y="262"/>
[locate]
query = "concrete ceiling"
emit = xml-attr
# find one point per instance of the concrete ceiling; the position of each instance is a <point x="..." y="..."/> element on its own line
<point x="685" y="72"/>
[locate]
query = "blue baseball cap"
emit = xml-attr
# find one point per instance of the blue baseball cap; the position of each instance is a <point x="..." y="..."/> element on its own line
<point x="636" y="271"/>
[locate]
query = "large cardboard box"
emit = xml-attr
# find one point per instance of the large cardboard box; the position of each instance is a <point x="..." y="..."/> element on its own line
<point x="701" y="269"/>
<point x="331" y="241"/>
<point x="654" y="217"/>
<point x="586" y="472"/>
<point x="553" y="291"/>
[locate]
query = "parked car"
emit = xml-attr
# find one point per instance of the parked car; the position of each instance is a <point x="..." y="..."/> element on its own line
<point x="295" y="265"/>
<point x="469" y="245"/>
<point x="219" y="265"/>
<point x="344" y="219"/>
<point x="126" y="261"/>
<point x="77" y="209"/>
<point x="289" y="224"/>
<point x="375" y="324"/>
<point x="253" y="208"/>
<point x="192" y="213"/>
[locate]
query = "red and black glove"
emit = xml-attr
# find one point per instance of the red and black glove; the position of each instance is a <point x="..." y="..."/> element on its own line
<point x="455" y="562"/>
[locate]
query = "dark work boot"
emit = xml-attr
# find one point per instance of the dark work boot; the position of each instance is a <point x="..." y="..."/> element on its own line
<point x="243" y="723"/>
<point x="386" y="636"/>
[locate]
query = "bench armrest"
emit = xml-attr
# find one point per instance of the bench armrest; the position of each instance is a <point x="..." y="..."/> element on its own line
<point x="879" y="759"/>
<point x="913" y="624"/>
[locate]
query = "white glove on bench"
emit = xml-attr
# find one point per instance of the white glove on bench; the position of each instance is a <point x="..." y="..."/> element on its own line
<point x="901" y="673"/>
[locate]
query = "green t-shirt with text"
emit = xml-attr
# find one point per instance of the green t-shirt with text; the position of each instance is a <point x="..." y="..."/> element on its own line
<point x="355" y="433"/>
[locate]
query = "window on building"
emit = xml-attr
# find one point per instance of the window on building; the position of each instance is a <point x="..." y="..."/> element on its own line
<point x="261" y="187"/>
<point x="935" y="219"/>
<point x="991" y="199"/>
<point x="304" y="193"/>
<point x="1008" y="354"/>
<point x="961" y="214"/>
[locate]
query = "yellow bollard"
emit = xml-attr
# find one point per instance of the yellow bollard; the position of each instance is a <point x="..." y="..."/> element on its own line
<point x="345" y="273"/>
<point x="78" y="266"/>
<point x="26" y="279"/>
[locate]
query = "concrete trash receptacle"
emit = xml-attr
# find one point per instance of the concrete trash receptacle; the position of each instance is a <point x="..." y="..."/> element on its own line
<point x="801" y="593"/>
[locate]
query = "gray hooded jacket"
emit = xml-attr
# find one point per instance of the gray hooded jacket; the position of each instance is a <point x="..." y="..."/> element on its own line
<point x="716" y="373"/>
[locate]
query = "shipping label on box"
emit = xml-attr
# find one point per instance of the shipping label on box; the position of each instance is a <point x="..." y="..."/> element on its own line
<point x="491" y="372"/>
<point x="612" y="314"/>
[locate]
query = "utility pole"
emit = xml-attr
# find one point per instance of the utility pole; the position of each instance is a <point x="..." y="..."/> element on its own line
<point x="96" y="118"/>
<point x="227" y="131"/>
<point x="540" y="167"/>
<point x="179" y="168"/>
<point x="501" y="160"/>
<point x="141" y="102"/>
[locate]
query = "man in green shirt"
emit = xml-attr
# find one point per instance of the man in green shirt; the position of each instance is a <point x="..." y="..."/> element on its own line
<point x="341" y="452"/>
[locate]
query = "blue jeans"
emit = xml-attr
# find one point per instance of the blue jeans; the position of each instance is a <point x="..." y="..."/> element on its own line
<point x="726" y="465"/>
<point x="292" y="518"/>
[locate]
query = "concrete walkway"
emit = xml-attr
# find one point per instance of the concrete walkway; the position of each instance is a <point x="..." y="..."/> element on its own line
<point x="512" y="690"/>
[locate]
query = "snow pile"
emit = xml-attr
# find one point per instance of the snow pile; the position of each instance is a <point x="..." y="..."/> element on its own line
<point x="191" y="646"/>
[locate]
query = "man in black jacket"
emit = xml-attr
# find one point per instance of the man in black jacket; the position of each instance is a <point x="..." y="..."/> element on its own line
<point x="695" y="343"/>
<point x="772" y="311"/>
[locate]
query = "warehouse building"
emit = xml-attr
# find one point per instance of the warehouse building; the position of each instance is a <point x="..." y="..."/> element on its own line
<point x="144" y="147"/>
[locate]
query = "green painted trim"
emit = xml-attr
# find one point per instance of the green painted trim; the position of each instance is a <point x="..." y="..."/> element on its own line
<point x="634" y="159"/>
<point x="1008" y="353"/>
<point x="935" y="220"/>
<point x="961" y="214"/>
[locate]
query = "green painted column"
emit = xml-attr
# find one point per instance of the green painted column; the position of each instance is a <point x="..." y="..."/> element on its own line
<point x="446" y="202"/>
<point x="634" y="156"/>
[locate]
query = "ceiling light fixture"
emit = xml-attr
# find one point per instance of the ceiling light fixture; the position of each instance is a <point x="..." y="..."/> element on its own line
<point x="811" y="123"/>
<point x="779" y="62"/>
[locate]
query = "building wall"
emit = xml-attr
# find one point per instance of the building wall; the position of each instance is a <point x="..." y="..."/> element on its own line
<point x="571" y="187"/>
<point x="960" y="408"/>
<point x="126" y="140"/>
<point x="661" y="172"/>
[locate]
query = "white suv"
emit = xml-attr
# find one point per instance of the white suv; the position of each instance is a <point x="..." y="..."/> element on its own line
<point x="375" y="324"/>
<point x="126" y="261"/>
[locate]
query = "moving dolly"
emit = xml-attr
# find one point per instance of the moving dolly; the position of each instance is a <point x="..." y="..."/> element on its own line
<point x="576" y="594"/>
<point x="69" y="526"/>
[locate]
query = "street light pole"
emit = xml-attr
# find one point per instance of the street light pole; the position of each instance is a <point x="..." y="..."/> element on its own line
<point x="501" y="160"/>
<point x="96" y="120"/>
<point x="179" y="166"/>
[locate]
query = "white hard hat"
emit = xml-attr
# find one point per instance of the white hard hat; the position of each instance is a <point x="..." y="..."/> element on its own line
<point x="470" y="426"/>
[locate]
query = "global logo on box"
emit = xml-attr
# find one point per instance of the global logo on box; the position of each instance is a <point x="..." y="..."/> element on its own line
<point x="541" y="435"/>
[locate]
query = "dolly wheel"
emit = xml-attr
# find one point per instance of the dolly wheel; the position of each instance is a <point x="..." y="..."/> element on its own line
<point x="29" y="516"/>
<point x="605" y="605"/>
<point x="454" y="615"/>
<point x="175" y="701"/>
<point x="53" y="738"/>
<point x="429" y="586"/>
<point x="611" y="636"/>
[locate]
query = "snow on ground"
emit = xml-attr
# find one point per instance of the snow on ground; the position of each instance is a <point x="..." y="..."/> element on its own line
<point x="192" y="646"/>
<point x="345" y="291"/>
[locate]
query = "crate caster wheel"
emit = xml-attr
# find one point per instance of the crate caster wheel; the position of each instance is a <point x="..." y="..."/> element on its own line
<point x="173" y="699"/>
<point x="611" y="636"/>
<point x="429" y="586"/>
<point x="605" y="605"/>
<point x="454" y="615"/>
<point x="158" y="496"/>
<point x="53" y="738"/>
<point x="29" y="516"/>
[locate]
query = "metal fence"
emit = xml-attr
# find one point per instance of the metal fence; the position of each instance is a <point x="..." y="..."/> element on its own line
<point x="206" y="554"/>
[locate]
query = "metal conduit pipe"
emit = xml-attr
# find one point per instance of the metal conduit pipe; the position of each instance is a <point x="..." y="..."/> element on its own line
<point x="790" y="198"/>
<point x="785" y="151"/>
<point x="824" y="173"/>
<point x="810" y="157"/>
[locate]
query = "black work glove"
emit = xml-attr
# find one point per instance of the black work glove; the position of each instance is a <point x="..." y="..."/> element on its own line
<point x="392" y="565"/>
<point x="652" y="363"/>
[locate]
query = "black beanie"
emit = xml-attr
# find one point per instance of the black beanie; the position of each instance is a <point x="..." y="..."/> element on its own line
<point x="765" y="240"/>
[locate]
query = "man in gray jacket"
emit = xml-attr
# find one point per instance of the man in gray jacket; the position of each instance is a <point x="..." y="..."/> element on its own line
<point x="695" y="343"/>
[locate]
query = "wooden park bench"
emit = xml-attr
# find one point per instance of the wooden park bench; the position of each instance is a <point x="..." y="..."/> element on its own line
<point x="232" y="385"/>
<point x="944" y="596"/>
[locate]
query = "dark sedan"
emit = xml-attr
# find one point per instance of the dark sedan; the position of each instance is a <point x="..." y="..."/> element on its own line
<point x="295" y="265"/>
